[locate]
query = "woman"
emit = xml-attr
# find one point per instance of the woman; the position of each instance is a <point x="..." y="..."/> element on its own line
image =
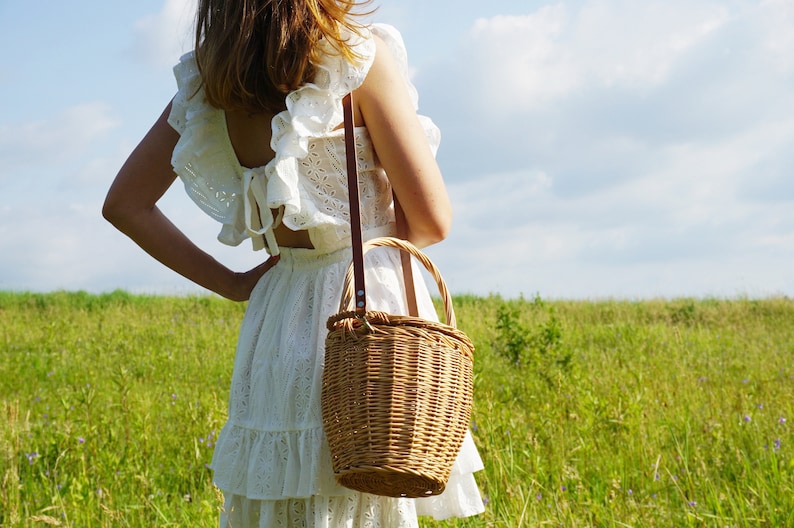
<point x="254" y="134"/>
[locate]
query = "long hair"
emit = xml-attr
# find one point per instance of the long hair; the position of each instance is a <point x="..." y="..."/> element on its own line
<point x="251" y="53"/>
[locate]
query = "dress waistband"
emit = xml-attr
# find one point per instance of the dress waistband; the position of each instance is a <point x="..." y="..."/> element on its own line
<point x="303" y="258"/>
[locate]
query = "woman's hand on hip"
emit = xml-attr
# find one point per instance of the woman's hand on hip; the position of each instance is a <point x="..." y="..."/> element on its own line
<point x="245" y="282"/>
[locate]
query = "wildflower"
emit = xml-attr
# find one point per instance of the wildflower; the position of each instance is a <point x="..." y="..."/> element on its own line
<point x="539" y="496"/>
<point x="486" y="500"/>
<point x="80" y="440"/>
<point x="747" y="418"/>
<point x="781" y="421"/>
<point x="777" y="444"/>
<point x="563" y="488"/>
<point x="31" y="457"/>
<point x="760" y="405"/>
<point x="693" y="503"/>
<point x="631" y="492"/>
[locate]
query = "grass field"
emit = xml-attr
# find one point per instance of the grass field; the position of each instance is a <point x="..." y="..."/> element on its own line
<point x="604" y="413"/>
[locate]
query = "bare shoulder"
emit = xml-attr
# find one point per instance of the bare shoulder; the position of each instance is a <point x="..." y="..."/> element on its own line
<point x="384" y="86"/>
<point x="384" y="70"/>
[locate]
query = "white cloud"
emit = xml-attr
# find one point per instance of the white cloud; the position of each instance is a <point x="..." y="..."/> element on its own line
<point x="777" y="21"/>
<point x="526" y="62"/>
<point x="631" y="143"/>
<point x="52" y="142"/>
<point x="162" y="36"/>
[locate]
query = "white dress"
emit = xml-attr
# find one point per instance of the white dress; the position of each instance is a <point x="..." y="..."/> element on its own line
<point x="271" y="459"/>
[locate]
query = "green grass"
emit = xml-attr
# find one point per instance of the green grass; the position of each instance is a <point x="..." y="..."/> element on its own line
<point x="604" y="413"/>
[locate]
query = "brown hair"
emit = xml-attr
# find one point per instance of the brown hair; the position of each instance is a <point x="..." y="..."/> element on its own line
<point x="251" y="53"/>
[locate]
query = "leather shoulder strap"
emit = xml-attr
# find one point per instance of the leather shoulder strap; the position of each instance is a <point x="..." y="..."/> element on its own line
<point x="355" y="223"/>
<point x="355" y="211"/>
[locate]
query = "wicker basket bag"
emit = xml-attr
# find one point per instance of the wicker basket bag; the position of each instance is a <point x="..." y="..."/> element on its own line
<point x="397" y="393"/>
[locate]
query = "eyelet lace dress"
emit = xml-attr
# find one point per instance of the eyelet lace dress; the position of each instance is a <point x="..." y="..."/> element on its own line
<point x="271" y="459"/>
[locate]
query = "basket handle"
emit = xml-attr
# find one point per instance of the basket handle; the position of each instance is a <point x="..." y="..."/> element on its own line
<point x="348" y="295"/>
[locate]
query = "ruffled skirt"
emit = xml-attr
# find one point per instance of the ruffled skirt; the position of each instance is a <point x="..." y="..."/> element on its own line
<point x="271" y="459"/>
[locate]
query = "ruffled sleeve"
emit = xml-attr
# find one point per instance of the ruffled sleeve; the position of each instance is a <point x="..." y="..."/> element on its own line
<point x="313" y="111"/>
<point x="203" y="158"/>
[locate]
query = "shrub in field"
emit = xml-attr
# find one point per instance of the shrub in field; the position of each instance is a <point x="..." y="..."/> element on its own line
<point x="540" y="348"/>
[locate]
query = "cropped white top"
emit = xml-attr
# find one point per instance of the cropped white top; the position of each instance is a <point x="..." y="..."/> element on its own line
<point x="307" y="179"/>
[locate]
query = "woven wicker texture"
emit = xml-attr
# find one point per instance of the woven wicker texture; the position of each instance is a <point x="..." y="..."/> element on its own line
<point x="397" y="394"/>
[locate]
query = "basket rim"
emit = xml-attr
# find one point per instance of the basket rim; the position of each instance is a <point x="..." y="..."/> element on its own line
<point x="374" y="322"/>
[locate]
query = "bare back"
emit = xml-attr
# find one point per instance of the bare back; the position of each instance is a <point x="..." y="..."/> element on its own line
<point x="250" y="136"/>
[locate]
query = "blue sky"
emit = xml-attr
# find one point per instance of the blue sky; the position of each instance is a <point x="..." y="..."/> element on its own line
<point x="592" y="148"/>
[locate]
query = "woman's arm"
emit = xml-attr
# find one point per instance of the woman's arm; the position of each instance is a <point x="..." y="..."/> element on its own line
<point x="131" y="207"/>
<point x="403" y="150"/>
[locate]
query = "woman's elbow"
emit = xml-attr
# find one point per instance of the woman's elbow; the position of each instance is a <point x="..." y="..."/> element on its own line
<point x="117" y="211"/>
<point x="432" y="231"/>
<point x="111" y="210"/>
<point x="441" y="229"/>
